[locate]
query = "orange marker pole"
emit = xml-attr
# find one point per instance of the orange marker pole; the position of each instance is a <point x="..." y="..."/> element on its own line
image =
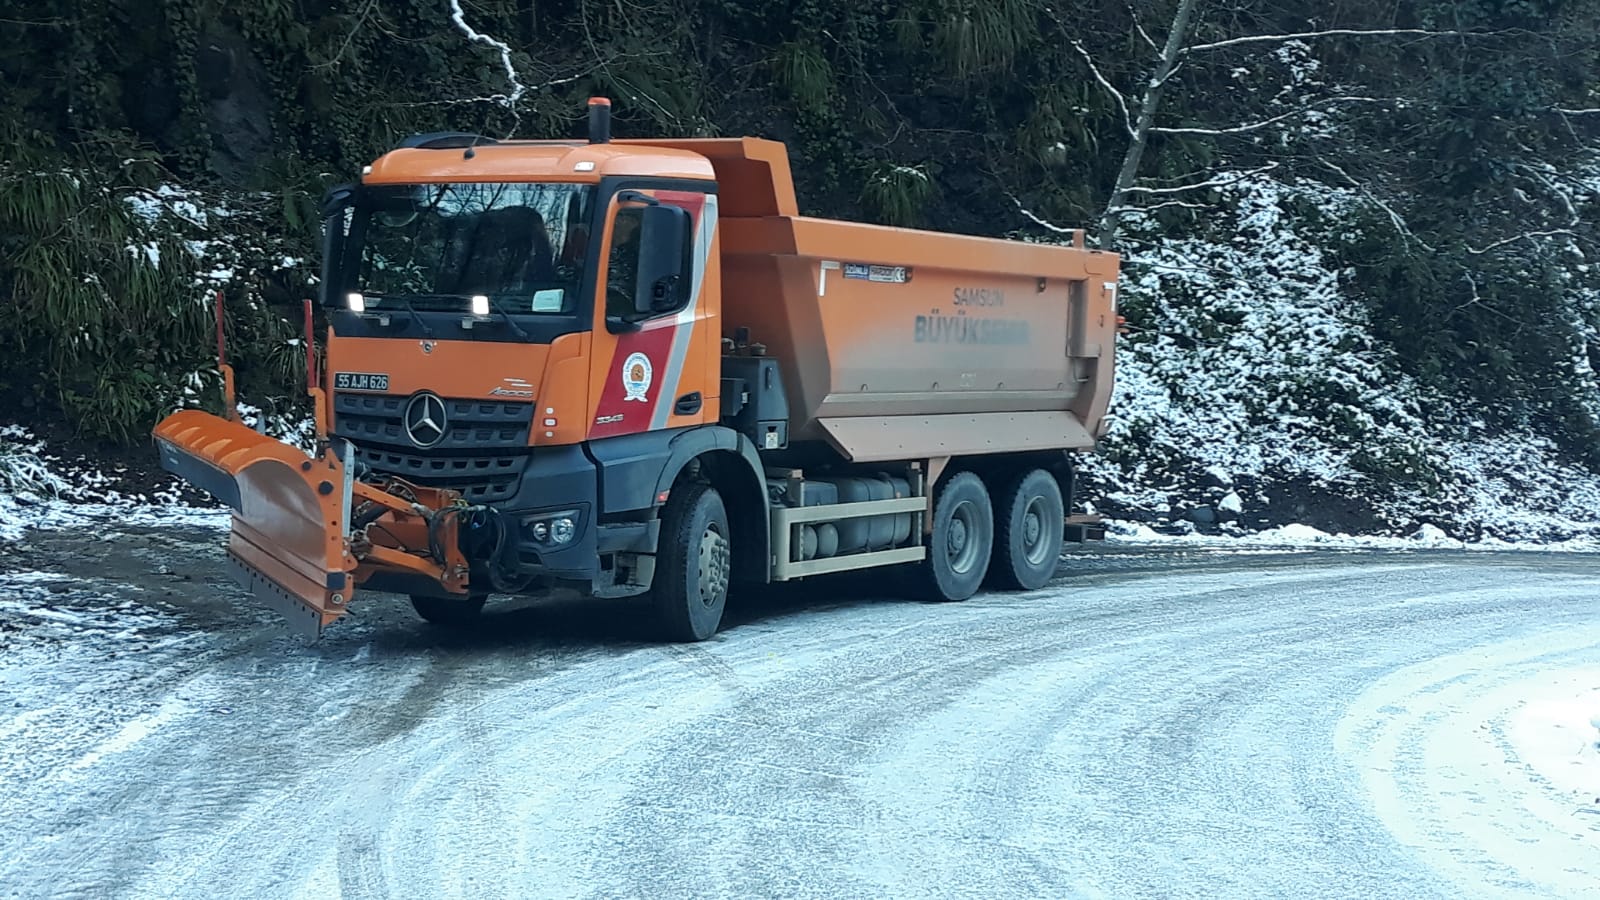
<point x="313" y="379"/>
<point x="230" y="408"/>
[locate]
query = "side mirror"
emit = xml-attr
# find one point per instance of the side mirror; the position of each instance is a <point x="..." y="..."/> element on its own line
<point x="337" y="199"/>
<point x="334" y="203"/>
<point x="663" y="250"/>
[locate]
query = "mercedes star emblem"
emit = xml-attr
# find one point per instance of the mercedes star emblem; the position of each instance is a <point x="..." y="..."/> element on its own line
<point x="425" y="420"/>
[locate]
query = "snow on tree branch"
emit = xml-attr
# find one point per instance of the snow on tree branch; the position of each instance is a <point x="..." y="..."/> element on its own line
<point x="1525" y="236"/>
<point x="1563" y="196"/>
<point x="1042" y="223"/>
<point x="1219" y="181"/>
<point x="1167" y="204"/>
<point x="458" y="101"/>
<point x="459" y="17"/>
<point x="1122" y="102"/>
<point x="1106" y="233"/>
<point x="1133" y="14"/>
<point x="1332" y="32"/>
<point x="1264" y="123"/>
<point x="1395" y="219"/>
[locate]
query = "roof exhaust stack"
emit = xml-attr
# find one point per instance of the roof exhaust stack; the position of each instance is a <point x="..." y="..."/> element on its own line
<point x="599" y="120"/>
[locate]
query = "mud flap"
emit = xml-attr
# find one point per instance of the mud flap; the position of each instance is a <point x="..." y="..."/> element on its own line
<point x="289" y="538"/>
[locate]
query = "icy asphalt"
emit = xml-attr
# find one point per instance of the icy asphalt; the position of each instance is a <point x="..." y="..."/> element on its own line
<point x="1154" y="724"/>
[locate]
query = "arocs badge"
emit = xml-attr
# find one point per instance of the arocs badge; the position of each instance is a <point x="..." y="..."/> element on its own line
<point x="636" y="375"/>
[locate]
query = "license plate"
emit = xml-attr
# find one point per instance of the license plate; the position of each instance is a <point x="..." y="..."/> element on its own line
<point x="360" y="381"/>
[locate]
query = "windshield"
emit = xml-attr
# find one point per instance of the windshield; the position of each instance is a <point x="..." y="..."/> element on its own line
<point x="434" y="246"/>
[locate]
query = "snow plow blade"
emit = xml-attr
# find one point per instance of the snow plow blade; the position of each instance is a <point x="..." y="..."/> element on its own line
<point x="290" y="513"/>
<point x="300" y="539"/>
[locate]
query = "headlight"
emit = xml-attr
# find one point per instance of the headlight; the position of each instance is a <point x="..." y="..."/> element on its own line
<point x="480" y="305"/>
<point x="554" y="528"/>
<point x="356" y="302"/>
<point x="562" y="530"/>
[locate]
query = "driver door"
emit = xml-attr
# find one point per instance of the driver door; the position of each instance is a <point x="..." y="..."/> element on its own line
<point x="658" y="370"/>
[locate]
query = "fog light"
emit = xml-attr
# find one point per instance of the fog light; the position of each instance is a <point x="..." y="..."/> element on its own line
<point x="480" y="305"/>
<point x="540" y="531"/>
<point x="356" y="302"/>
<point x="562" y="530"/>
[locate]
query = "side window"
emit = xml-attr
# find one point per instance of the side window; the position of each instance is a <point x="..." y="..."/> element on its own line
<point x="622" y="272"/>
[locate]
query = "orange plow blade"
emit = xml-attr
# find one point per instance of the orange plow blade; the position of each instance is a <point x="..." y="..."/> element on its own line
<point x="291" y="513"/>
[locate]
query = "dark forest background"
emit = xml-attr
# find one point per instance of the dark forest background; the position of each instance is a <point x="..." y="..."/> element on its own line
<point x="155" y="151"/>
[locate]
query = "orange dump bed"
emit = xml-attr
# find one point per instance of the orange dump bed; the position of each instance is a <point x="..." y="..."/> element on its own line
<point x="897" y="343"/>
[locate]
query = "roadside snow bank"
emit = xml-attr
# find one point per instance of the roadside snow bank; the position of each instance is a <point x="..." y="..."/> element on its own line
<point x="1252" y="394"/>
<point x="38" y="490"/>
<point x="1305" y="537"/>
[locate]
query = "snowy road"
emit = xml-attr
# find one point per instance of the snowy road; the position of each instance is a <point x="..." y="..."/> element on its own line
<point x="1154" y="724"/>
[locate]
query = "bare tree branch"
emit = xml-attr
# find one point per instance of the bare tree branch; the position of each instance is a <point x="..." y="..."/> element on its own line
<point x="1176" y="68"/>
<point x="1178" y="32"/>
<point x="1395" y="218"/>
<point x="1042" y="223"/>
<point x="361" y="20"/>
<point x="1122" y="102"/>
<point x="634" y="93"/>
<point x="1578" y="112"/>
<point x="1264" y="123"/>
<point x="456" y="15"/>
<point x="1219" y="181"/>
<point x="1167" y="204"/>
<point x="1525" y="236"/>
<point x="461" y="101"/>
<point x="1477" y="300"/>
<point x="1139" y="26"/>
<point x="1332" y="32"/>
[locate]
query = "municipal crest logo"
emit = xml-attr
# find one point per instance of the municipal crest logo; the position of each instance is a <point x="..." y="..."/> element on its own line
<point x="636" y="376"/>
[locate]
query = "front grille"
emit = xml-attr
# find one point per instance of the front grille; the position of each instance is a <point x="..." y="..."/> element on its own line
<point x="480" y="479"/>
<point x="472" y="426"/>
<point x="482" y="455"/>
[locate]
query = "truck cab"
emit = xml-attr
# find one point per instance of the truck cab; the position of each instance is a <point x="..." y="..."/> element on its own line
<point x="534" y="325"/>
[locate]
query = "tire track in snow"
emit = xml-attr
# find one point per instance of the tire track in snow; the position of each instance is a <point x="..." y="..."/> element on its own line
<point x="1439" y="765"/>
<point x="1167" y="733"/>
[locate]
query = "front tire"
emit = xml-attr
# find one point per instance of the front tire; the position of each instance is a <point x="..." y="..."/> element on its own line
<point x="450" y="612"/>
<point x="1030" y="529"/>
<point x="694" y="565"/>
<point x="962" y="540"/>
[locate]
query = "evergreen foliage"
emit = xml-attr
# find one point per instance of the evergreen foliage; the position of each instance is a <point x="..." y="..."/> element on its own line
<point x="944" y="114"/>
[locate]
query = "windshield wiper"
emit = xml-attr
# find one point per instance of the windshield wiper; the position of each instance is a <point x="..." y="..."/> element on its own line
<point x="405" y="304"/>
<point x="496" y="308"/>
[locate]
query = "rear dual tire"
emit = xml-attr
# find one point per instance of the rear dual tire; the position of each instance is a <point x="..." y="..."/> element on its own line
<point x="1014" y="547"/>
<point x="961" y="542"/>
<point x="1030" y="528"/>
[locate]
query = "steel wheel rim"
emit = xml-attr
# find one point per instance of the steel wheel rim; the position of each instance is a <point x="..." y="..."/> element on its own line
<point x="961" y="544"/>
<point x="1035" y="547"/>
<point x="714" y="566"/>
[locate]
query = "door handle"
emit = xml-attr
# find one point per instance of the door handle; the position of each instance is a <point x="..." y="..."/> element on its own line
<point x="687" y="405"/>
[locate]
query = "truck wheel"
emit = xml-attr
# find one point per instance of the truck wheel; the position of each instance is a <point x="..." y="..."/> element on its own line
<point x="450" y="611"/>
<point x="693" y="565"/>
<point x="1029" y="531"/>
<point x="962" y="540"/>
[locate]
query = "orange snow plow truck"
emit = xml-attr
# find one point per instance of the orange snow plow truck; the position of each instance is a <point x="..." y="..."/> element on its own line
<point x="631" y="367"/>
